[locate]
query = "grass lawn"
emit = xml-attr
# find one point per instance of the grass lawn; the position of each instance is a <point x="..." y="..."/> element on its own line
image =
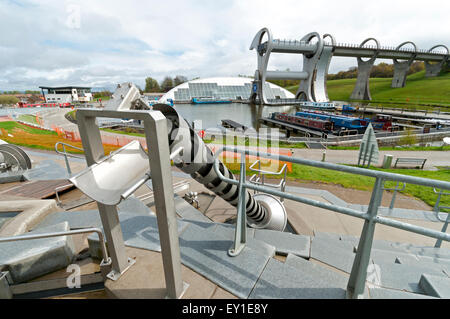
<point x="418" y="90"/>
<point x="12" y="127"/>
<point x="312" y="174"/>
<point x="103" y="98"/>
<point x="22" y="135"/>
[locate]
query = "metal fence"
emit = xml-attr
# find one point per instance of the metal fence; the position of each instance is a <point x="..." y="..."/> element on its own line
<point x="356" y="283"/>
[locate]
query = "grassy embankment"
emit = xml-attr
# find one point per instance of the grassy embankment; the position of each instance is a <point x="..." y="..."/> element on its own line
<point x="420" y="92"/>
<point x="23" y="135"/>
<point x="302" y="173"/>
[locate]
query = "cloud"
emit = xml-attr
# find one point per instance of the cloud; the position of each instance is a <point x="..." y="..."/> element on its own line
<point x="100" y="43"/>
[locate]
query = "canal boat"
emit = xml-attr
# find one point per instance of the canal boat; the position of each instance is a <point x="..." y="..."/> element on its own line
<point x="316" y="124"/>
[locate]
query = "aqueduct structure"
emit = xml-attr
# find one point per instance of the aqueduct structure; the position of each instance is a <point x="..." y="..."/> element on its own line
<point x="317" y="54"/>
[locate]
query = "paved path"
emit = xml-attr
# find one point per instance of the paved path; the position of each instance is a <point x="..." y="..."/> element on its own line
<point x="434" y="158"/>
<point x="55" y="116"/>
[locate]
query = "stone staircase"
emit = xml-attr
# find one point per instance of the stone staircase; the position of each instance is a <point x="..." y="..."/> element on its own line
<point x="277" y="264"/>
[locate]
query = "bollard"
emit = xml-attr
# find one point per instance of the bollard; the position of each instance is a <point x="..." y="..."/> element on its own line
<point x="387" y="161"/>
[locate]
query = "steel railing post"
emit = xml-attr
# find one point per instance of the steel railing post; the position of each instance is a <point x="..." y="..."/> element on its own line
<point x="66" y="160"/>
<point x="155" y="127"/>
<point x="240" y="235"/>
<point x="436" y="208"/>
<point x="443" y="230"/>
<point x="391" y="206"/>
<point x="357" y="281"/>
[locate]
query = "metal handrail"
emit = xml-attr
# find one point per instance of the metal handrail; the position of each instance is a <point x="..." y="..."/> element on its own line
<point x="437" y="209"/>
<point x="99" y="232"/>
<point x="64" y="152"/>
<point x="358" y="274"/>
<point x="395" y="190"/>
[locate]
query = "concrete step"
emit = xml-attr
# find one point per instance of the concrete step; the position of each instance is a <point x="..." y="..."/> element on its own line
<point x="334" y="253"/>
<point x="187" y="211"/>
<point x="28" y="259"/>
<point x="434" y="263"/>
<point x="333" y="278"/>
<point x="435" y="286"/>
<point x="206" y="252"/>
<point x="285" y="243"/>
<point x="405" y="248"/>
<point x="139" y="231"/>
<point x="386" y="272"/>
<point x="227" y="231"/>
<point x="383" y="293"/>
<point x="46" y="170"/>
<point x="91" y="218"/>
<point x="404" y="277"/>
<point x="281" y="281"/>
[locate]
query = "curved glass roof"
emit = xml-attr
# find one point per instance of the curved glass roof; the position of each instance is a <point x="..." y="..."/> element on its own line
<point x="234" y="88"/>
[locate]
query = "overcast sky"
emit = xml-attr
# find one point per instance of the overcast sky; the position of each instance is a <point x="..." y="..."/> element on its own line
<point x="101" y="43"/>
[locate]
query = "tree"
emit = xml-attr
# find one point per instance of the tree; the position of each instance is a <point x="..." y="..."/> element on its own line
<point x="179" y="79"/>
<point x="167" y="84"/>
<point x="151" y="85"/>
<point x="101" y="94"/>
<point x="408" y="139"/>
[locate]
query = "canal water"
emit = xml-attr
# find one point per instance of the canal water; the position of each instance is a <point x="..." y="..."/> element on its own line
<point x="211" y="115"/>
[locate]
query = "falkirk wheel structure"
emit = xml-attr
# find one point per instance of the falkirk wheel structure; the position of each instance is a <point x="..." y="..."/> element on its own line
<point x="317" y="54"/>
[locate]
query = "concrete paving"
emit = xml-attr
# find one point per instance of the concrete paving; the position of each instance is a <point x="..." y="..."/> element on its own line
<point x="46" y="170"/>
<point x="281" y="281"/>
<point x="434" y="158"/>
<point x="204" y="248"/>
<point x="145" y="280"/>
<point x="207" y="253"/>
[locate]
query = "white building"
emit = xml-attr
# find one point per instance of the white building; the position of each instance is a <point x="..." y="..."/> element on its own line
<point x="66" y="94"/>
<point x="234" y="88"/>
